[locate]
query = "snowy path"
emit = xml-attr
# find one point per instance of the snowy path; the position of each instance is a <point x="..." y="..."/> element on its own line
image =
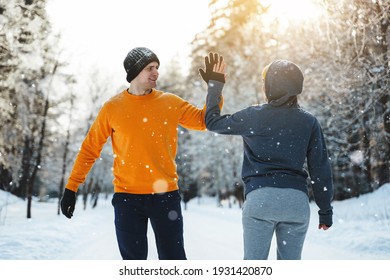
<point x="210" y="233"/>
<point x="361" y="232"/>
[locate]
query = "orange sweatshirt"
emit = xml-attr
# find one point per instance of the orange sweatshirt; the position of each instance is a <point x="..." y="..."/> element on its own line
<point x="144" y="132"/>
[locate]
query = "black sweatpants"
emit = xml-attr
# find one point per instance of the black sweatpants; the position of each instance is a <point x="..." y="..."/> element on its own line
<point x="132" y="213"/>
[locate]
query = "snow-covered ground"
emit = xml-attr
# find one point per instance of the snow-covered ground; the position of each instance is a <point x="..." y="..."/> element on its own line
<point x="361" y="231"/>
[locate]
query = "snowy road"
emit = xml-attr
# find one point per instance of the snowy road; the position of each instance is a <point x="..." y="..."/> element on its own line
<point x="360" y="231"/>
<point x="210" y="233"/>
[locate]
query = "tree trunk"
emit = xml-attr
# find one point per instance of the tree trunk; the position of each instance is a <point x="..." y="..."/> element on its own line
<point x="384" y="170"/>
<point x="21" y="190"/>
<point x="30" y="185"/>
<point x="64" y="160"/>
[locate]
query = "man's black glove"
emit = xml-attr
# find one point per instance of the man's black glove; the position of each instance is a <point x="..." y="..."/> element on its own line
<point x="68" y="203"/>
<point x="209" y="61"/>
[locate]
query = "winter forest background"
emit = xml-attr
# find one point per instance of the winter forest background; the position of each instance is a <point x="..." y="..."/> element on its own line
<point x="344" y="54"/>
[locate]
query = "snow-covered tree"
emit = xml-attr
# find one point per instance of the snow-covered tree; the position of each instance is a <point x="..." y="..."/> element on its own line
<point x="29" y="61"/>
<point x="358" y="94"/>
<point x="344" y="56"/>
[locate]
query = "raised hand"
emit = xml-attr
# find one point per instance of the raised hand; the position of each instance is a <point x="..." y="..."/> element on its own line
<point x="213" y="65"/>
<point x="220" y="67"/>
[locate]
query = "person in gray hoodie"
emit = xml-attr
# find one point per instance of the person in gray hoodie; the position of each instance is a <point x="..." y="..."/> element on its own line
<point x="279" y="137"/>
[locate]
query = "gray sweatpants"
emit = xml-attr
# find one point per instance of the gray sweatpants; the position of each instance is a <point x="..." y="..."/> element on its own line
<point x="283" y="211"/>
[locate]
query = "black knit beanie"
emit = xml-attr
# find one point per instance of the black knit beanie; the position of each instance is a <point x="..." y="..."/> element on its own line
<point x="136" y="60"/>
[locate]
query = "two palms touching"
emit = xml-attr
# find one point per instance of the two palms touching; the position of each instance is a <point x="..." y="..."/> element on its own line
<point x="220" y="66"/>
<point x="214" y="68"/>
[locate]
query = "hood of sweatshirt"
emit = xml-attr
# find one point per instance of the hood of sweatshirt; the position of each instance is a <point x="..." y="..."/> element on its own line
<point x="283" y="82"/>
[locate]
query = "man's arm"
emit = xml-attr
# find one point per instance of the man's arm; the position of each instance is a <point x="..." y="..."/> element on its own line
<point x="90" y="150"/>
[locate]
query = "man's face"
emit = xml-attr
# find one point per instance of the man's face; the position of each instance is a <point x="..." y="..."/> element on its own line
<point x="147" y="78"/>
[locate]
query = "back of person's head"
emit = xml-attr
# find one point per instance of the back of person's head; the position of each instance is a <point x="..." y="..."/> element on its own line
<point x="136" y="60"/>
<point x="282" y="79"/>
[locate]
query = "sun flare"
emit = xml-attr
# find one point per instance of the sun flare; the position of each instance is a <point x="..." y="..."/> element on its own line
<point x="294" y="10"/>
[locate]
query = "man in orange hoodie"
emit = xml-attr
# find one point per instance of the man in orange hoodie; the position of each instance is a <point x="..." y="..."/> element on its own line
<point x="143" y="125"/>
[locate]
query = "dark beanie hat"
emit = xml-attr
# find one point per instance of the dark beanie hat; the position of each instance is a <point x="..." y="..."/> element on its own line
<point x="282" y="78"/>
<point x="136" y="60"/>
